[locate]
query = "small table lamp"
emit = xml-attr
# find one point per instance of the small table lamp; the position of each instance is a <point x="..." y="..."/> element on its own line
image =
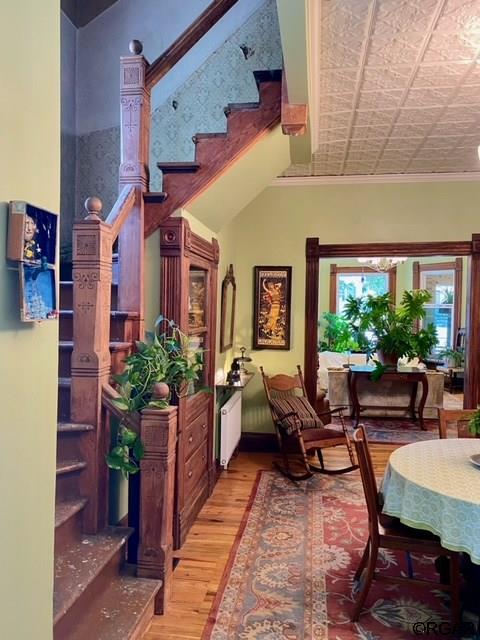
<point x="243" y="358"/>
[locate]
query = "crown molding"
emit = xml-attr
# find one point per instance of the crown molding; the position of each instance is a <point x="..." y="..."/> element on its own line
<point x="313" y="181"/>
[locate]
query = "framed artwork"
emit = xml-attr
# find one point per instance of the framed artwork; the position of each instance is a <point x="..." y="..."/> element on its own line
<point x="271" y="304"/>
<point x="31" y="248"/>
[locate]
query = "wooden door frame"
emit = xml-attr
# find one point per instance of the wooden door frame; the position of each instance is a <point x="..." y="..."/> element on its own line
<point x="316" y="251"/>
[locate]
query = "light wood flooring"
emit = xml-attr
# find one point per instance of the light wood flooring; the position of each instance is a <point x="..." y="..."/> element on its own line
<point x="205" y="552"/>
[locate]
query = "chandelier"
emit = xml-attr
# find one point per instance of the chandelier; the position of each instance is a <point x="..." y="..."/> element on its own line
<point x="381" y="264"/>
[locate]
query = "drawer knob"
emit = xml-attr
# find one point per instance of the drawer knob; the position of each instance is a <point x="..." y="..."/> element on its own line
<point x="203" y="457"/>
<point x="190" y="474"/>
<point x="204" y="426"/>
<point x="190" y="439"/>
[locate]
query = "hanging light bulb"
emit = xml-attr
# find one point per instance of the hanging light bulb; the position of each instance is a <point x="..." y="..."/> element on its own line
<point x="382" y="264"/>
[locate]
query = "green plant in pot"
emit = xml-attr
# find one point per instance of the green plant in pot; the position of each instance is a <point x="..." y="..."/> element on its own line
<point x="474" y="424"/>
<point x="394" y="329"/>
<point x="453" y="357"/>
<point x="163" y="364"/>
<point x="337" y="334"/>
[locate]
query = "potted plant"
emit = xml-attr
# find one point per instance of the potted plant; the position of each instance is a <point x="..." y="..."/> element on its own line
<point x="474" y="424"/>
<point x="394" y="330"/>
<point x="453" y="358"/>
<point x="162" y="366"/>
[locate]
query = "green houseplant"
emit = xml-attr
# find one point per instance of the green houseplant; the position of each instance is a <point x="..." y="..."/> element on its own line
<point x="336" y="334"/>
<point x="163" y="365"/>
<point x="394" y="330"/>
<point x="453" y="357"/>
<point x="474" y="424"/>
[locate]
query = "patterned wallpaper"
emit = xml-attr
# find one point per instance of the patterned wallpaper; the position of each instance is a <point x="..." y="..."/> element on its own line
<point x="225" y="77"/>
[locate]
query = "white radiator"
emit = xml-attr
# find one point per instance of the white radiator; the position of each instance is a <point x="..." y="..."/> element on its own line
<point x="230" y="427"/>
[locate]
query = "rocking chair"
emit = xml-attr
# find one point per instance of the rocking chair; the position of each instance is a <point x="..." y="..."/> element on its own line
<point x="299" y="428"/>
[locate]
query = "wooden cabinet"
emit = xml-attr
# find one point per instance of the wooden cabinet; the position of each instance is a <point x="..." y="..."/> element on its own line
<point x="189" y="297"/>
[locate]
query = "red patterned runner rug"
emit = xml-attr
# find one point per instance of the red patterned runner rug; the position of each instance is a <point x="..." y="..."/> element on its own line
<point x="289" y="576"/>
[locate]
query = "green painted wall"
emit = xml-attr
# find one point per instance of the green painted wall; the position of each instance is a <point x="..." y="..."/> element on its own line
<point x="272" y="229"/>
<point x="30" y="170"/>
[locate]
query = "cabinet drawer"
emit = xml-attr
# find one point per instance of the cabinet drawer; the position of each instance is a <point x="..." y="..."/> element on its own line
<point x="195" y="468"/>
<point x="195" y="433"/>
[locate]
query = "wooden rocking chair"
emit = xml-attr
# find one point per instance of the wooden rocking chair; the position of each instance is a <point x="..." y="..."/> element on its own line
<point x="299" y="428"/>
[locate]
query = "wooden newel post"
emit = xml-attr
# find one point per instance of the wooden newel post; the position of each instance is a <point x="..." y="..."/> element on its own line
<point x="158" y="432"/>
<point x="92" y="279"/>
<point x="134" y="158"/>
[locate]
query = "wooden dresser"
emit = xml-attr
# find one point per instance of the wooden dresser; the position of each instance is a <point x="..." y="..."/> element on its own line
<point x="189" y="267"/>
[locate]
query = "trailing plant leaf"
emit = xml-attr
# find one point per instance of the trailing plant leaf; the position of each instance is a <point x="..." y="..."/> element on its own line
<point x="474" y="424"/>
<point x="378" y="372"/>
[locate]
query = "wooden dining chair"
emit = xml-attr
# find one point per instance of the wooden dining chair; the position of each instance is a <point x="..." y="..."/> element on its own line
<point x="389" y="533"/>
<point x="458" y="417"/>
<point x="299" y="429"/>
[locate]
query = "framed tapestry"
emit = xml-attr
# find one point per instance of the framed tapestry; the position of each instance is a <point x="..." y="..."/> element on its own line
<point x="271" y="307"/>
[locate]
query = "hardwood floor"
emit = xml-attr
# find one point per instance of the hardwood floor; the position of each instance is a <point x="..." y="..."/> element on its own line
<point x="204" y="555"/>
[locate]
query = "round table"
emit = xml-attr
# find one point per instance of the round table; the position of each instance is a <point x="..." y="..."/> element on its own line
<point x="433" y="485"/>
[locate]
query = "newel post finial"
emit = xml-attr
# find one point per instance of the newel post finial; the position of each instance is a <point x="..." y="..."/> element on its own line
<point x="135" y="47"/>
<point x="93" y="207"/>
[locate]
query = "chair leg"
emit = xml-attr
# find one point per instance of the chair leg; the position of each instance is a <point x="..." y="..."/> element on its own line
<point x="455" y="588"/>
<point x="363" y="562"/>
<point x="370" y="572"/>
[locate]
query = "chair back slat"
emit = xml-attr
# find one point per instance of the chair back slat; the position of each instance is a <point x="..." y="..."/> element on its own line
<point x="459" y="417"/>
<point x="368" y="479"/>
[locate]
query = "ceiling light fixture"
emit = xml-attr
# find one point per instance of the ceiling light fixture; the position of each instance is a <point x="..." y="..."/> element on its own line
<point x="381" y="264"/>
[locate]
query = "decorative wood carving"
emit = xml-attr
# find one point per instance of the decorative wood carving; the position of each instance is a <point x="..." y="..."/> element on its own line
<point x="294" y="116"/>
<point x="158" y="432"/>
<point x="90" y="365"/>
<point x="135" y="140"/>
<point x="181" y="249"/>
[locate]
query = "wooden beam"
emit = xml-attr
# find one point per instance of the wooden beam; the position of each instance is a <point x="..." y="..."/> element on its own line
<point x="121" y="210"/>
<point x="408" y="249"/>
<point x="294" y="116"/>
<point x="162" y="65"/>
<point x="472" y="339"/>
<point x="311" y="320"/>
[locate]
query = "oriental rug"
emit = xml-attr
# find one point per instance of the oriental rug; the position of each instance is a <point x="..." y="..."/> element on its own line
<point x="397" y="430"/>
<point x="290" y="576"/>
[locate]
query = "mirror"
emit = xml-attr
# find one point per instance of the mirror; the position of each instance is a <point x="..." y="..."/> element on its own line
<point x="227" y="310"/>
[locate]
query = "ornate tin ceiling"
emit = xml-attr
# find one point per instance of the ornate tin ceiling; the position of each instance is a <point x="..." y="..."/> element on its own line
<point x="398" y="88"/>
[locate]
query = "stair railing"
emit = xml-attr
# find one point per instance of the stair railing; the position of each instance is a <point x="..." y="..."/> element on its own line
<point x="92" y="279"/>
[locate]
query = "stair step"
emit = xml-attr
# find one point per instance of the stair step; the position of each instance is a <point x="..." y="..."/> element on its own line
<point x="241" y="106"/>
<point x="73" y="427"/>
<point x="81" y="563"/>
<point x="122" y="325"/>
<point x="67" y="509"/>
<point x="123" y="610"/>
<point x="178" y="167"/>
<point x="208" y="136"/>
<point x="69" y="466"/>
<point x="155" y="197"/>
<point x="67" y="345"/>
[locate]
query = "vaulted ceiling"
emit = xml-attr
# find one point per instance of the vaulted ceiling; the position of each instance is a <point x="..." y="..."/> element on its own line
<point x="81" y="12"/>
<point x="397" y="87"/>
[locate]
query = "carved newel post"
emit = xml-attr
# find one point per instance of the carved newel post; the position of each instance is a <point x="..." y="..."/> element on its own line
<point x="92" y="279"/>
<point x="158" y="432"/>
<point x="135" y="137"/>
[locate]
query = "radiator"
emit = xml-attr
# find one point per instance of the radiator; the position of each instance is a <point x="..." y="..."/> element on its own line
<point x="230" y="427"/>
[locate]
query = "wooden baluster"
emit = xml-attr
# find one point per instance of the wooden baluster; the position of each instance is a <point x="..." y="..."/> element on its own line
<point x="135" y="140"/>
<point x="92" y="278"/>
<point x="158" y="432"/>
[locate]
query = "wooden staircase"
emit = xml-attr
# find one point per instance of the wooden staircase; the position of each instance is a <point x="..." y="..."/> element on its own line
<point x="96" y="595"/>
<point x="214" y="152"/>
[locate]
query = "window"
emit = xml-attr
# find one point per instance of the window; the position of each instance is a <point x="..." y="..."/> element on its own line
<point x="357" y="282"/>
<point x="443" y="281"/>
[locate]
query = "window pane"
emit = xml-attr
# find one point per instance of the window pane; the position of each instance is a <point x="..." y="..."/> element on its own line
<point x="359" y="284"/>
<point x="441" y="285"/>
<point x="442" y="318"/>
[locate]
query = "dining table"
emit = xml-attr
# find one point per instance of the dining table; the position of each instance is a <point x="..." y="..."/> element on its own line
<point x="435" y="485"/>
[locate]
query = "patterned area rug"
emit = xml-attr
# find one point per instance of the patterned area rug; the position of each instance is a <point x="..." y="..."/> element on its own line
<point x="397" y="431"/>
<point x="290" y="575"/>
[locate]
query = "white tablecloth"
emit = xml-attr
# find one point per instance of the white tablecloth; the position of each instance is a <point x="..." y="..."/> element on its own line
<point x="433" y="485"/>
